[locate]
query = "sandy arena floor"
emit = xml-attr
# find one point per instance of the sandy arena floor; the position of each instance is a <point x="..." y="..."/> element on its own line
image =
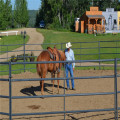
<point x="57" y="104"/>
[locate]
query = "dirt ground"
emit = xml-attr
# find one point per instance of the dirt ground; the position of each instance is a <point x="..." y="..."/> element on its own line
<point x="35" y="105"/>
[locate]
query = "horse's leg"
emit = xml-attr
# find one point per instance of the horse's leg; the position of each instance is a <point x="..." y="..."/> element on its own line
<point x="58" y="75"/>
<point x="42" y="84"/>
<point x="53" y="76"/>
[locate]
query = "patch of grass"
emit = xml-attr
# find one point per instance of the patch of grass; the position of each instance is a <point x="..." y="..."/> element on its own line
<point x="13" y="42"/>
<point x="17" y="68"/>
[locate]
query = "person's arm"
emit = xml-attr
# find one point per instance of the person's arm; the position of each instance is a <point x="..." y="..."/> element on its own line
<point x="73" y="59"/>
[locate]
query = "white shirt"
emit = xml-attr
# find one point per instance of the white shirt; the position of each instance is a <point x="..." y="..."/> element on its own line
<point x="70" y="55"/>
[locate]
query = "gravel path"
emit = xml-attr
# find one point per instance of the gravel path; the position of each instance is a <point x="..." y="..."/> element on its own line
<point x="35" y="38"/>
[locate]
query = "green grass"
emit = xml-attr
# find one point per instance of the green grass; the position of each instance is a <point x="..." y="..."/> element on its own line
<point x="17" y="68"/>
<point x="52" y="36"/>
<point x="11" y="40"/>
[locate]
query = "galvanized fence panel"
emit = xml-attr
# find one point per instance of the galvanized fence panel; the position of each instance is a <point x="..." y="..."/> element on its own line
<point x="98" y="49"/>
<point x="10" y="97"/>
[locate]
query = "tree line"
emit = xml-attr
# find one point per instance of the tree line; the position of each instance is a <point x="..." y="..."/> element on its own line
<point x="57" y="14"/>
<point x="13" y="18"/>
<point x="61" y="14"/>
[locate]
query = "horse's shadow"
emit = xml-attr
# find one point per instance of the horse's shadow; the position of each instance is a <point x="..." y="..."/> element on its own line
<point x="31" y="90"/>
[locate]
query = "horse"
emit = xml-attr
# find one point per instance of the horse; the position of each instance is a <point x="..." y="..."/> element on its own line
<point x="54" y="68"/>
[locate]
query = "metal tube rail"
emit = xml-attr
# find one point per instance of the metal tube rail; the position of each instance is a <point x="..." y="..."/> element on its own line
<point x="62" y="112"/>
<point x="47" y="79"/>
<point x="64" y="95"/>
<point x="74" y="61"/>
<point x="3" y="113"/>
<point x="59" y="112"/>
<point x="2" y="79"/>
<point x="4" y="96"/>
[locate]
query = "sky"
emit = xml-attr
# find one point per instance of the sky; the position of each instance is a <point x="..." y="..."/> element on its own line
<point x="32" y="4"/>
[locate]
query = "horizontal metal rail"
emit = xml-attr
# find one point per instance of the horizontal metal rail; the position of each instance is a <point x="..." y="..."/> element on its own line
<point x="64" y="95"/>
<point x="59" y="95"/>
<point x="47" y="79"/>
<point x="4" y="96"/>
<point x="74" y="61"/>
<point x="3" y="113"/>
<point x="62" y="112"/>
<point x="2" y="79"/>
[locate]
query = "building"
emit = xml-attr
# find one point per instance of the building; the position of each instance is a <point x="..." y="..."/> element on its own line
<point x="110" y="19"/>
<point x="92" y="21"/>
<point x="118" y="20"/>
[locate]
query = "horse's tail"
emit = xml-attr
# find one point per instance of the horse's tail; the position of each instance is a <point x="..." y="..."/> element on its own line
<point x="38" y="68"/>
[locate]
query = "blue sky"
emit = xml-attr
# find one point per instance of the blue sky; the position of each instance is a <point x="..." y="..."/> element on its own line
<point x="32" y="4"/>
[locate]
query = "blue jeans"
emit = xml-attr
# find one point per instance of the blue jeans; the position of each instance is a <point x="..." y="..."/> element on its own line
<point x="69" y="68"/>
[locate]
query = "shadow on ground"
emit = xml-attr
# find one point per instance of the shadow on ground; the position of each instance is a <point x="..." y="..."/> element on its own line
<point x="31" y="90"/>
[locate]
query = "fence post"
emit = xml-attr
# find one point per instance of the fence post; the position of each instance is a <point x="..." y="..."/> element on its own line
<point x="99" y="54"/>
<point x="10" y="93"/>
<point x="80" y="53"/>
<point x="116" y="49"/>
<point x="115" y="89"/>
<point x="24" y="54"/>
<point x="7" y="52"/>
<point x="24" y="47"/>
<point x="64" y="90"/>
<point x="61" y="46"/>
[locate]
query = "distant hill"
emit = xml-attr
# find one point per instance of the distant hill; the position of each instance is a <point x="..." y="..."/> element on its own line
<point x="32" y="18"/>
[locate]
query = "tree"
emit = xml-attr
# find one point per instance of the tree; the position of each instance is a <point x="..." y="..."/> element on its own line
<point x="103" y="4"/>
<point x="1" y="12"/>
<point x="5" y="14"/>
<point x="118" y="6"/>
<point x="25" y="17"/>
<point x="17" y="13"/>
<point x="8" y="13"/>
<point x="21" y="17"/>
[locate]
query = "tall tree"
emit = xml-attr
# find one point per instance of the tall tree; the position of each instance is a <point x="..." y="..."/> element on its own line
<point x="1" y="12"/>
<point x="25" y="16"/>
<point x="21" y="13"/>
<point x="8" y="13"/>
<point x="103" y="4"/>
<point x="5" y="14"/>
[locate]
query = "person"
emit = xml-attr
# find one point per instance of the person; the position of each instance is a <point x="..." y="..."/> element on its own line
<point x="69" y="67"/>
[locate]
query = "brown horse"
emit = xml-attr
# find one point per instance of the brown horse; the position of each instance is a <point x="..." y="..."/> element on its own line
<point x="54" y="68"/>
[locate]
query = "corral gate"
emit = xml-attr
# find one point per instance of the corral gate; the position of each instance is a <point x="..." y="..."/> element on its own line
<point x="10" y="97"/>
